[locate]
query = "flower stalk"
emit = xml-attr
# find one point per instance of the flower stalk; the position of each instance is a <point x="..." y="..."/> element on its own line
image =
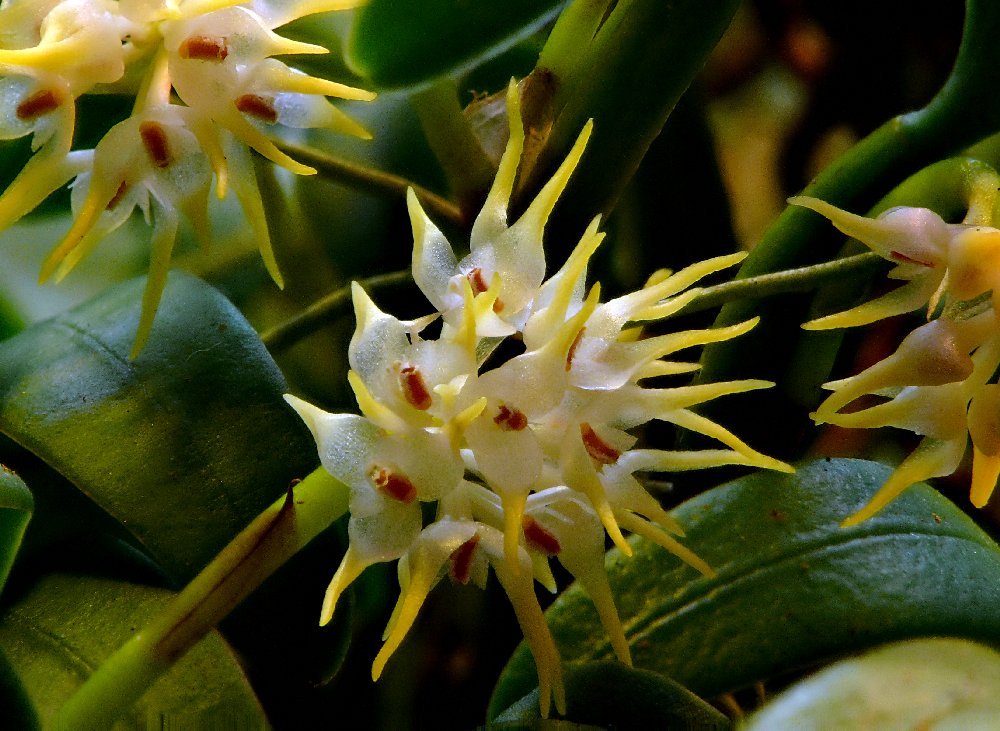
<point x="275" y="536"/>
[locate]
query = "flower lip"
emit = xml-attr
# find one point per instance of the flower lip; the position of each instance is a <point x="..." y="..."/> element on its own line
<point x="393" y="484"/>
<point x="37" y="104"/>
<point x="204" y="48"/>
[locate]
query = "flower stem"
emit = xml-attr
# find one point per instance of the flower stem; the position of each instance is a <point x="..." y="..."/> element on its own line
<point x="269" y="541"/>
<point x="803" y="279"/>
<point x="627" y="76"/>
<point x="963" y="111"/>
<point x="465" y="164"/>
<point x="376" y="182"/>
<point x="319" y="312"/>
<point x="575" y="28"/>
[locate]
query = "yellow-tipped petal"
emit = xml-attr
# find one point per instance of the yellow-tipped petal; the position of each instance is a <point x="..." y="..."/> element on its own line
<point x="932" y="458"/>
<point x="372" y="409"/>
<point x="309" y="413"/>
<point x="403" y="617"/>
<point x="920" y="233"/>
<point x="282" y="46"/>
<point x="344" y="124"/>
<point x="903" y="299"/>
<point x="682" y="397"/>
<point x="653" y="533"/>
<point x="92" y="208"/>
<point x="465" y="334"/>
<point x="253" y="137"/>
<point x="543" y="572"/>
<point x="248" y="194"/>
<point x="669" y="307"/>
<point x="282" y="78"/>
<point x="538" y="212"/>
<point x="580" y="475"/>
<point x="690" y="338"/>
<point x="698" y="423"/>
<point x="45" y="173"/>
<point x="350" y="568"/>
<point x="513" y="512"/>
<point x="536" y="633"/>
<point x="687" y="276"/>
<point x="54" y="56"/>
<point x="600" y="594"/>
<point x="471" y="413"/>
<point x="164" y="235"/>
<point x="660" y="460"/>
<point x="985" y="471"/>
<point x="665" y="368"/>
<point x="208" y="140"/>
<point x="564" y="283"/>
<point x="492" y="219"/>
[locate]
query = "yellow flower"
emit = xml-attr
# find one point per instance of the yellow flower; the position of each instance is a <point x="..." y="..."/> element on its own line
<point x="215" y="55"/>
<point x="533" y="459"/>
<point x="938" y="382"/>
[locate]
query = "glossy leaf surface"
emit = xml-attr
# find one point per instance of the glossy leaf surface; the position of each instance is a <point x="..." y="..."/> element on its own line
<point x="407" y="42"/>
<point x="792" y="588"/>
<point x="65" y="626"/>
<point x="16" y="506"/>
<point x="610" y="694"/>
<point x="933" y="683"/>
<point x="184" y="445"/>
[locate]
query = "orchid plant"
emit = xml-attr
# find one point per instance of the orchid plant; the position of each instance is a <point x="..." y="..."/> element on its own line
<point x="460" y="329"/>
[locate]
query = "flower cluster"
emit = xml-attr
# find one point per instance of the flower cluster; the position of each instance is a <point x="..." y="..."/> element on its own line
<point x="941" y="381"/>
<point x="210" y="88"/>
<point x="533" y="458"/>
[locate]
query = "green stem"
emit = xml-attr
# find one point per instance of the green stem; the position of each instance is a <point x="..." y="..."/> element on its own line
<point x="577" y="25"/>
<point x="627" y="78"/>
<point x="803" y="279"/>
<point x="269" y="541"/>
<point x="965" y="110"/>
<point x="376" y="182"/>
<point x="318" y="314"/>
<point x="465" y="164"/>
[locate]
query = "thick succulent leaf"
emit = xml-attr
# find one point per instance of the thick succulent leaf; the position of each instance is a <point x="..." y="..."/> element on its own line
<point x="610" y="694"/>
<point x="16" y="707"/>
<point x="16" y="506"/>
<point x="65" y="626"/>
<point x="407" y="42"/>
<point x="184" y="445"/>
<point x="792" y="587"/>
<point x="931" y="683"/>
<point x="11" y="322"/>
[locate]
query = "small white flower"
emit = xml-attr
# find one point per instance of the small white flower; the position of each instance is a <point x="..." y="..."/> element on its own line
<point x="506" y="263"/>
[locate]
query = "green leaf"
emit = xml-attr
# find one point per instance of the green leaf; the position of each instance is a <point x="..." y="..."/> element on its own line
<point x="16" y="506"/>
<point x="613" y="695"/>
<point x="939" y="683"/>
<point x="16" y="708"/>
<point x="184" y="445"/>
<point x="398" y="43"/>
<point x="792" y="587"/>
<point x="66" y="626"/>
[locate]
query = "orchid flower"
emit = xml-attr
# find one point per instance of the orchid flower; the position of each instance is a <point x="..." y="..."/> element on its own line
<point x="938" y="382"/>
<point x="506" y="263"/>
<point x="533" y="458"/>
<point x="216" y="55"/>
<point x="935" y="259"/>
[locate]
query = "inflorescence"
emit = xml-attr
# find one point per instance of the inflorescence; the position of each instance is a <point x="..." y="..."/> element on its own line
<point x="209" y="90"/>
<point x="941" y="381"/>
<point x="529" y="460"/>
